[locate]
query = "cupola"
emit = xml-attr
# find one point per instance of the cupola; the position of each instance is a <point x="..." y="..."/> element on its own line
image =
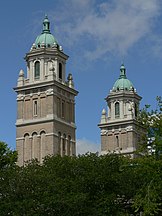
<point x="122" y="83"/>
<point x="45" y="39"/>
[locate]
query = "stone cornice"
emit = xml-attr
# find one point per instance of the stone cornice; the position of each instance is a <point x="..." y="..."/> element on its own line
<point x="52" y="118"/>
<point x="45" y="84"/>
<point x="45" y="53"/>
<point x="118" y="123"/>
<point x="123" y="94"/>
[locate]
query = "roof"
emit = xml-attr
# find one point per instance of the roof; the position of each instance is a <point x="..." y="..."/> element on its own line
<point x="45" y="38"/>
<point x="122" y="82"/>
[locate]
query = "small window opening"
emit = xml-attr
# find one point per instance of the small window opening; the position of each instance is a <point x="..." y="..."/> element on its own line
<point x="136" y="110"/>
<point x="60" y="71"/>
<point x="63" y="109"/>
<point x="37" y="70"/>
<point x="117" y="109"/>
<point x="69" y="147"/>
<point x="35" y="108"/>
<point x="59" y="143"/>
<point x="64" y="144"/>
<point x="117" y="141"/>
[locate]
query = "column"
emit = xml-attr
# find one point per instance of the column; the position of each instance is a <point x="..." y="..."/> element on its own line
<point x="31" y="71"/>
<point x="61" y="146"/>
<point x="66" y="146"/>
<point x="121" y="109"/>
<point x="73" y="150"/>
<point x="30" y="144"/>
<point x="112" y="110"/>
<point x="32" y="147"/>
<point x="109" y="110"/>
<point x="45" y="69"/>
<point x="28" y="71"/>
<point x="70" y="146"/>
<point x="38" y="148"/>
<point x="42" y="69"/>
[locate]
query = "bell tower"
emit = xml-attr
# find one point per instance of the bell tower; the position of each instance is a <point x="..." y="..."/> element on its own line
<point x="45" y="102"/>
<point x="119" y="127"/>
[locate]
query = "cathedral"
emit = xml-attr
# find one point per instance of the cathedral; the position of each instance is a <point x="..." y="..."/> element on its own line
<point x="45" y="122"/>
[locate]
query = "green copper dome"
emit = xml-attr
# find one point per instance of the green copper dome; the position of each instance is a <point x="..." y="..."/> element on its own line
<point x="123" y="83"/>
<point x="46" y="38"/>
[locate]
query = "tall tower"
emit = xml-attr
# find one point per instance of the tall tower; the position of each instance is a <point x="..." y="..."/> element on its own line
<point x="119" y="128"/>
<point x="45" y="102"/>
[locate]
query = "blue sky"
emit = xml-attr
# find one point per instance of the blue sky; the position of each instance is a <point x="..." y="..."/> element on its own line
<point x="98" y="35"/>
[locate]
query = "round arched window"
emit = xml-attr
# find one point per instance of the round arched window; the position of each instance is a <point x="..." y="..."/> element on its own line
<point x="117" y="109"/>
<point x="37" y="70"/>
<point x="60" y="71"/>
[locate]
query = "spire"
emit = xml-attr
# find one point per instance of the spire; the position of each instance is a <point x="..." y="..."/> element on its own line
<point x="123" y="72"/>
<point x="46" y="25"/>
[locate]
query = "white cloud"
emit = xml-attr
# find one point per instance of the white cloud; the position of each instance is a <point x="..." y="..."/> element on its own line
<point x="109" y="27"/>
<point x="83" y="146"/>
<point x="155" y="43"/>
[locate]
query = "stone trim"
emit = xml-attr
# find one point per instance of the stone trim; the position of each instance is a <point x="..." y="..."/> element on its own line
<point x="21" y="122"/>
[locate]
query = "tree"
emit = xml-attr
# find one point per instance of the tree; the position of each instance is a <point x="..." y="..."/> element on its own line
<point x="152" y="122"/>
<point x="88" y="184"/>
<point x="148" y="197"/>
<point x="7" y="156"/>
<point x="84" y="185"/>
<point x="8" y="160"/>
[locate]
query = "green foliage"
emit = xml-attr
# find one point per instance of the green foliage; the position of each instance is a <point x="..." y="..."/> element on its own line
<point x="94" y="185"/>
<point x="152" y="122"/>
<point x="7" y="156"/>
<point x="84" y="185"/>
<point x="148" y="196"/>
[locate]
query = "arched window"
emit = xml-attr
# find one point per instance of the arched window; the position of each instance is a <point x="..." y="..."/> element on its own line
<point x="117" y="141"/>
<point x="135" y="110"/>
<point x="42" y="145"/>
<point x="35" y="107"/>
<point x="37" y="70"/>
<point x="69" y="145"/>
<point x="117" y="109"/>
<point x="27" y="148"/>
<point x="60" y="71"/>
<point x="59" y="143"/>
<point x="64" y="145"/>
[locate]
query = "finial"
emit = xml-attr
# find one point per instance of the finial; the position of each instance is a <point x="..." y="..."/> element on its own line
<point x="21" y="73"/>
<point x="122" y="71"/>
<point x="103" y="117"/>
<point x="103" y="112"/>
<point x="46" y="25"/>
<point x="20" y="81"/>
<point x="70" y="80"/>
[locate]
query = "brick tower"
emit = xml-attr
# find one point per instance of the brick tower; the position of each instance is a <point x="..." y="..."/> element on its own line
<point x="45" y="102"/>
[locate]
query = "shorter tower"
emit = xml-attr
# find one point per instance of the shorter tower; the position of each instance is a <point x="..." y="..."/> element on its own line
<point x="119" y="128"/>
<point x="45" y="102"/>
